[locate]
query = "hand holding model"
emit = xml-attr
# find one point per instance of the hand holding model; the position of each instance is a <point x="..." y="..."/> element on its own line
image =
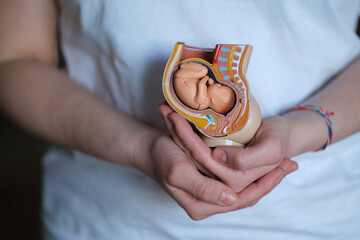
<point x="278" y="139"/>
<point x="268" y="173"/>
<point x="196" y="90"/>
<point x="44" y="100"/>
<point x="208" y="87"/>
<point x="115" y="138"/>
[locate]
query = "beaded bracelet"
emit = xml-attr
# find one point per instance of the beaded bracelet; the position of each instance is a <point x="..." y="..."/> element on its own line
<point x="326" y="115"/>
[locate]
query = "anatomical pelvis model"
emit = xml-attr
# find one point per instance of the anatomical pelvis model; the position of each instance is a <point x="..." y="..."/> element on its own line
<point x="208" y="88"/>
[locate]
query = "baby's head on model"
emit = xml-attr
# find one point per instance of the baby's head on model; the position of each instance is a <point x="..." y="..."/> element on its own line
<point x="198" y="91"/>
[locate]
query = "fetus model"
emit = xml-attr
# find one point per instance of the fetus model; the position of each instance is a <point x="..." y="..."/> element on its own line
<point x="198" y="91"/>
<point x="208" y="88"/>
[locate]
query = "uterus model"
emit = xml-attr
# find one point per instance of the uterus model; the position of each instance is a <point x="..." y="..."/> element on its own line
<point x="208" y="87"/>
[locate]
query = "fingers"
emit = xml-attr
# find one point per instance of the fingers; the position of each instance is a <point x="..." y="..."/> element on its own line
<point x="255" y="191"/>
<point x="182" y="133"/>
<point x="183" y="175"/>
<point x="203" y="81"/>
<point x="200" y="196"/>
<point x="189" y="138"/>
<point x="198" y="210"/>
<point x="196" y="147"/>
<point x="165" y="112"/>
<point x="267" y="151"/>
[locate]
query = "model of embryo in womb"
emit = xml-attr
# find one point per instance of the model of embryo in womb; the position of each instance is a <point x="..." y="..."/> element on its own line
<point x="194" y="87"/>
<point x="208" y="88"/>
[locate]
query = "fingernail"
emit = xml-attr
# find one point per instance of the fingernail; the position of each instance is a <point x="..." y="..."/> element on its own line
<point x="220" y="156"/>
<point x="227" y="198"/>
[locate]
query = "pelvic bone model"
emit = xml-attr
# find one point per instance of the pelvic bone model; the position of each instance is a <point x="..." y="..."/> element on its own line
<point x="208" y="88"/>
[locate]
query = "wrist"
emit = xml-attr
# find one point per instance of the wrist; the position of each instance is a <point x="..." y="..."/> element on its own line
<point x="308" y="131"/>
<point x="141" y="150"/>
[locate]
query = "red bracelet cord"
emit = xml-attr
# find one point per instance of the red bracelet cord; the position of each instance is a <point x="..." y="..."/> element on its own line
<point x="326" y="115"/>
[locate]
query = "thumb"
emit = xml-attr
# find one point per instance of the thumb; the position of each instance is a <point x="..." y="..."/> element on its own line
<point x="186" y="177"/>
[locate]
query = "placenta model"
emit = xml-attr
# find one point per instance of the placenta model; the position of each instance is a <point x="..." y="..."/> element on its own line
<point x="208" y="88"/>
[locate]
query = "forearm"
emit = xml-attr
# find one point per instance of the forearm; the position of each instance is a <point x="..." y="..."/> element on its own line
<point x="43" y="100"/>
<point x="341" y="96"/>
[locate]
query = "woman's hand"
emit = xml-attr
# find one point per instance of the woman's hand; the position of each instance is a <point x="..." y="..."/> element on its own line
<point x="267" y="149"/>
<point x="241" y="181"/>
<point x="199" y="195"/>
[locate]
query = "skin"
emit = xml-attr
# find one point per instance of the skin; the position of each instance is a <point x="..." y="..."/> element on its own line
<point x="42" y="99"/>
<point x="198" y="91"/>
<point x="283" y="136"/>
<point x="301" y="131"/>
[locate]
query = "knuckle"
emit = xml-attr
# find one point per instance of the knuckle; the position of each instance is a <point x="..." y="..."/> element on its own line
<point x="275" y="149"/>
<point x="239" y="160"/>
<point x="194" y="213"/>
<point x="196" y="216"/>
<point x="175" y="172"/>
<point x="204" y="191"/>
<point x="251" y="204"/>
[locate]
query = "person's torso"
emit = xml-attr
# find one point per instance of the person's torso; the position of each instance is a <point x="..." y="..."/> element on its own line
<point x="118" y="50"/>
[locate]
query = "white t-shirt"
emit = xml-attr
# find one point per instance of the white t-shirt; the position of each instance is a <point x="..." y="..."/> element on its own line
<point x="118" y="50"/>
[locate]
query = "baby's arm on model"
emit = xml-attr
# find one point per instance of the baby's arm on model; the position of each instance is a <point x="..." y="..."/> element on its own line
<point x="201" y="97"/>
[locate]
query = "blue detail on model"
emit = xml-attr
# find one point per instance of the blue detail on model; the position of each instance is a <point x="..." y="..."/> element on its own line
<point x="224" y="49"/>
<point x="210" y="118"/>
<point x="223" y="59"/>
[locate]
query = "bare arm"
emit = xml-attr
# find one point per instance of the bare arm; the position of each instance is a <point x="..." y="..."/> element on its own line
<point x="301" y="131"/>
<point x="46" y="102"/>
<point x="279" y="137"/>
<point x="341" y="96"/>
<point x="42" y="99"/>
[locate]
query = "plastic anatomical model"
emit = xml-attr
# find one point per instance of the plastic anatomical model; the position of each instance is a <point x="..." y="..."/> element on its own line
<point x="208" y="88"/>
<point x="198" y="91"/>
